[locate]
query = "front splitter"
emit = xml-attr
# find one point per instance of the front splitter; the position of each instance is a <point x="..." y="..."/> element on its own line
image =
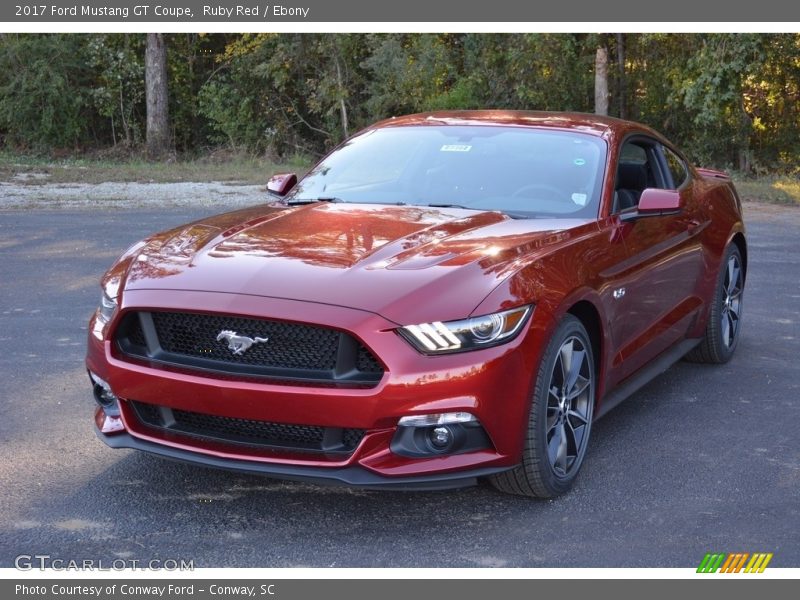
<point x="354" y="476"/>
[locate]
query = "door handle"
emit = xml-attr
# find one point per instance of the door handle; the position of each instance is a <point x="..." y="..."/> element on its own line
<point x="695" y="226"/>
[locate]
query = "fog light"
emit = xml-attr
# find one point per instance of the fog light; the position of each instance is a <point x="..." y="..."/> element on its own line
<point x="436" y="419"/>
<point x="102" y="391"/>
<point x="104" y="396"/>
<point x="440" y="437"/>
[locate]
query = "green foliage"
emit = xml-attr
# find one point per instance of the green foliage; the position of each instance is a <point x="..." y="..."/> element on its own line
<point x="284" y="93"/>
<point x="191" y="61"/>
<point x="716" y="93"/>
<point x="117" y="89"/>
<point x="728" y="100"/>
<point x="409" y="73"/>
<point x="44" y="91"/>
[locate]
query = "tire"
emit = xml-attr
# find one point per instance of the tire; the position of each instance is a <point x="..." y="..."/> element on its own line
<point x="558" y="419"/>
<point x="724" y="320"/>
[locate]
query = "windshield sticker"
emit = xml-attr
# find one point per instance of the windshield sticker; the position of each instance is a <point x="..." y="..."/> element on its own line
<point x="455" y="148"/>
<point x="579" y="199"/>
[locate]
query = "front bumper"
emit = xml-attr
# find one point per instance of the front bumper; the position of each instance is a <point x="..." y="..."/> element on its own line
<point x="492" y="384"/>
<point x="352" y="475"/>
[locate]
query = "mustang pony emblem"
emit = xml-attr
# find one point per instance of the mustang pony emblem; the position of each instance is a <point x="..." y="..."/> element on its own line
<point x="239" y="344"/>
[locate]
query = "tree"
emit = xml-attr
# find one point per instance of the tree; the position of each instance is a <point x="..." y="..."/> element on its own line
<point x="727" y="100"/>
<point x="158" y="135"/>
<point x="725" y="77"/>
<point x="622" y="88"/>
<point x="118" y="89"/>
<point x="601" y="81"/>
<point x="45" y="87"/>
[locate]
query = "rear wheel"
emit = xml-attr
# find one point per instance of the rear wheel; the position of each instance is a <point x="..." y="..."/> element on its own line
<point x="724" y="321"/>
<point x="560" y="417"/>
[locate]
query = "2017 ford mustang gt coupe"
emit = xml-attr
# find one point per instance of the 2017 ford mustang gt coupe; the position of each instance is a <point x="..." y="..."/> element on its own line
<point x="444" y="297"/>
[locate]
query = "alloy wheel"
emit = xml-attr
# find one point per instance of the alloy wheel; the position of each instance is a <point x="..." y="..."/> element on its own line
<point x="569" y="406"/>
<point x="731" y="301"/>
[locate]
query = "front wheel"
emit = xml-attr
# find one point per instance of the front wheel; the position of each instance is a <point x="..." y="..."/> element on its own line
<point x="560" y="417"/>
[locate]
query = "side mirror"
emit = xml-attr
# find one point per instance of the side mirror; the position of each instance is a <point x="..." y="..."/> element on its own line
<point x="654" y="203"/>
<point x="281" y="183"/>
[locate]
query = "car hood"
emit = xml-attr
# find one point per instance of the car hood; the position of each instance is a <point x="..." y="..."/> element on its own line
<point x="406" y="263"/>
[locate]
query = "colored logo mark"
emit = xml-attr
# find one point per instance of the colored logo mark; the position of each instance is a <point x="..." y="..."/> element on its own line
<point x="735" y="562"/>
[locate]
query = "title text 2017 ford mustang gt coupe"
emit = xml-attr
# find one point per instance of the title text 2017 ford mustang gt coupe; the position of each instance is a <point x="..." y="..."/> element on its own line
<point x="444" y="297"/>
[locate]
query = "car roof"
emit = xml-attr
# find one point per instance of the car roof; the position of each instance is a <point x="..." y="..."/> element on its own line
<point x="585" y="122"/>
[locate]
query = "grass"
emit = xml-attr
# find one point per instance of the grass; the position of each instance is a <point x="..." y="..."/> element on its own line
<point x="228" y="167"/>
<point x="774" y="189"/>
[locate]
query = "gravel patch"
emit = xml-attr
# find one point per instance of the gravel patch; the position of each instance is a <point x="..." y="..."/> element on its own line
<point x="129" y="195"/>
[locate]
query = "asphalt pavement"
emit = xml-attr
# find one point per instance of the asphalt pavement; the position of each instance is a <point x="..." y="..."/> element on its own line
<point x="705" y="458"/>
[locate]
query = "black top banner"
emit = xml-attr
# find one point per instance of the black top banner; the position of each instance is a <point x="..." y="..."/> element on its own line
<point x="411" y="11"/>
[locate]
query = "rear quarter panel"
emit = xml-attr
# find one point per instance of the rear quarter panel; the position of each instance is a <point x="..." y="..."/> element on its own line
<point x="722" y="208"/>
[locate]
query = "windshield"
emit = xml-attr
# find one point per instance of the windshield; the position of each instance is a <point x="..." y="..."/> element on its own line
<point x="524" y="172"/>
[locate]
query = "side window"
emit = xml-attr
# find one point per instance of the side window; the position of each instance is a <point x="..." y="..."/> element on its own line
<point x="633" y="153"/>
<point x="635" y="172"/>
<point x="676" y="167"/>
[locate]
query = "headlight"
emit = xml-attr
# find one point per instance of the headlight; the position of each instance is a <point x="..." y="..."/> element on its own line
<point x="107" y="307"/>
<point x="468" y="334"/>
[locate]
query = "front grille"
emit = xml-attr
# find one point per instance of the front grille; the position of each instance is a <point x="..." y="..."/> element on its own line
<point x="288" y="346"/>
<point x="366" y="362"/>
<point x="135" y="333"/>
<point x="262" y="434"/>
<point x="280" y="350"/>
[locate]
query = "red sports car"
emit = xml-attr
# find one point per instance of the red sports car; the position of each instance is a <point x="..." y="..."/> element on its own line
<point x="444" y="297"/>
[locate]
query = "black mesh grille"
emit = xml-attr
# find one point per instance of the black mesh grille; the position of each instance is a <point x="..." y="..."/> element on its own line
<point x="243" y="428"/>
<point x="148" y="413"/>
<point x="366" y="361"/>
<point x="247" y="346"/>
<point x="135" y="333"/>
<point x="352" y="437"/>
<point x="249" y="432"/>
<point x="287" y="345"/>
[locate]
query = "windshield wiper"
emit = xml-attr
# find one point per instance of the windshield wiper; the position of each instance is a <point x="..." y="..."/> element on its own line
<point x="453" y="206"/>
<point x="509" y="213"/>
<point x="303" y="201"/>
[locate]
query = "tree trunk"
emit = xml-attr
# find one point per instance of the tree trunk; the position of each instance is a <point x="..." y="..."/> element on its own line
<point x="342" y="105"/>
<point x="745" y="126"/>
<point x="601" y="81"/>
<point x="621" y="81"/>
<point x="155" y="75"/>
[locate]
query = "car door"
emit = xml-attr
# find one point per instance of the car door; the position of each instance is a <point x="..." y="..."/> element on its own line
<point x="657" y="298"/>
